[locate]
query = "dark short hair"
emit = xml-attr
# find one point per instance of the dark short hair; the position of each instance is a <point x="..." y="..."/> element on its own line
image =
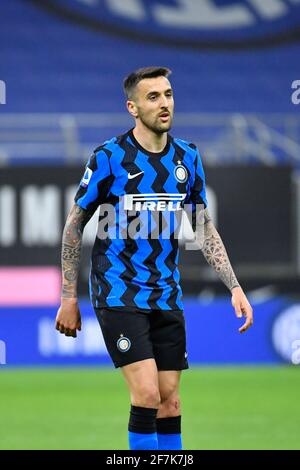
<point x="134" y="78"/>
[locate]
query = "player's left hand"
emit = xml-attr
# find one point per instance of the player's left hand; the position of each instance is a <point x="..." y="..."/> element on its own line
<point x="242" y="307"/>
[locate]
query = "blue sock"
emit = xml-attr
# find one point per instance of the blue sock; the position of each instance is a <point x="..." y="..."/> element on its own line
<point x="169" y="433"/>
<point x="169" y="441"/>
<point x="139" y="441"/>
<point x="142" y="428"/>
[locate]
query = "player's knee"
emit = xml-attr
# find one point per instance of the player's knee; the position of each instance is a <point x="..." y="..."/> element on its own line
<point x="147" y="397"/>
<point x="169" y="393"/>
<point x="170" y="406"/>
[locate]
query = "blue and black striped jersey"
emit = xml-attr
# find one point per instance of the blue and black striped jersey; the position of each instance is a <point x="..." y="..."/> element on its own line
<point x="141" y="195"/>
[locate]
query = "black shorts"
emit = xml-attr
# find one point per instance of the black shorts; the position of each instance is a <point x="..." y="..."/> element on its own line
<point x="133" y="335"/>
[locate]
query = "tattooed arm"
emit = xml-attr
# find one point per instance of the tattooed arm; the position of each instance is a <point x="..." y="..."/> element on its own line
<point x="215" y="254"/>
<point x="68" y="317"/>
<point x="71" y="249"/>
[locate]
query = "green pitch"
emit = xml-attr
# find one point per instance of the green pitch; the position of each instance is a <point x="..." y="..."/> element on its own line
<point x="223" y="408"/>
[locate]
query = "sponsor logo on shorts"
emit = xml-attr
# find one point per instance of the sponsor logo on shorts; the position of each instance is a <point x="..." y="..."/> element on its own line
<point x="123" y="344"/>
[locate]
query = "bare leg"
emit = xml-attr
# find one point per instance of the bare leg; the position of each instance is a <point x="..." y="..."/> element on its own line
<point x="169" y="393"/>
<point x="142" y="381"/>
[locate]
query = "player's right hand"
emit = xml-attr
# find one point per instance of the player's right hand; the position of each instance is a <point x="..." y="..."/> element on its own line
<point x="68" y="318"/>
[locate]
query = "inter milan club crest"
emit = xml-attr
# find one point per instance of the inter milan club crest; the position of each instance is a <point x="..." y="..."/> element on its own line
<point x="123" y="344"/>
<point x="180" y="173"/>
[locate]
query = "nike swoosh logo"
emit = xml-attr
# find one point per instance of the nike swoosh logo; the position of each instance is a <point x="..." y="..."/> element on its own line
<point x="133" y="176"/>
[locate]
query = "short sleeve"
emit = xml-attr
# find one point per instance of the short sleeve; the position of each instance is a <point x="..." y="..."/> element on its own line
<point x="95" y="183"/>
<point x="197" y="188"/>
<point x="197" y="192"/>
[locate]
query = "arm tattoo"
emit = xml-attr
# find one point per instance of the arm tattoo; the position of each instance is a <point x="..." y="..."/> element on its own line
<point x="215" y="253"/>
<point x="71" y="249"/>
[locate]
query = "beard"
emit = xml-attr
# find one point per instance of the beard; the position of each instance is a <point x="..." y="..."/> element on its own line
<point x="155" y="124"/>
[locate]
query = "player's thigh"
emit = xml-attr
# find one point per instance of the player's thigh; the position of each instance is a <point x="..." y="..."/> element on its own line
<point x="126" y="335"/>
<point x="142" y="378"/>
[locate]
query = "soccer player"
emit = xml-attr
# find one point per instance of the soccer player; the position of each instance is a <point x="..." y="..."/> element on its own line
<point x="144" y="175"/>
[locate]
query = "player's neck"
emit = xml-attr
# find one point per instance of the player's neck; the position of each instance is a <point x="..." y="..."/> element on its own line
<point x="150" y="140"/>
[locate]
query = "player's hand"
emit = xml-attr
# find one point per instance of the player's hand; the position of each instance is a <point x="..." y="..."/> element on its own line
<point x="68" y="318"/>
<point x="242" y="307"/>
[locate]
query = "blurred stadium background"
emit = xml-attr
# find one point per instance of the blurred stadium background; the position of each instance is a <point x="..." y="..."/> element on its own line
<point x="236" y="77"/>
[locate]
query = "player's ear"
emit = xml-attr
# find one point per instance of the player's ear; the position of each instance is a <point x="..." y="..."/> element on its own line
<point x="132" y="109"/>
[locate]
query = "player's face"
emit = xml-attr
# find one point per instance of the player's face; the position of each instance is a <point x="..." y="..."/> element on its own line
<point x="154" y="103"/>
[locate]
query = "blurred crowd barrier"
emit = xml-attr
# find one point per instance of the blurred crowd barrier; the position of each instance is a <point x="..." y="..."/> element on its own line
<point x="212" y="335"/>
<point x="254" y="208"/>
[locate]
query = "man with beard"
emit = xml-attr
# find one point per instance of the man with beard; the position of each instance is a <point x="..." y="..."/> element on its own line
<point x="134" y="280"/>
